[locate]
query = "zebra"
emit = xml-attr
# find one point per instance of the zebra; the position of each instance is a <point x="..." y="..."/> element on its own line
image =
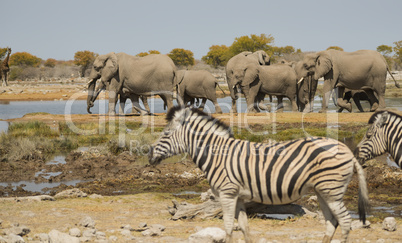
<point x="383" y="135"/>
<point x="269" y="173"/>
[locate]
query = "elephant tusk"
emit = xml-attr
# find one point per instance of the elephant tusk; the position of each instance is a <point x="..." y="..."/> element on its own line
<point x="301" y="80"/>
<point x="89" y="82"/>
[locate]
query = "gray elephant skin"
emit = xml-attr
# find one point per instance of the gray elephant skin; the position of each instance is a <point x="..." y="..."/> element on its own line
<point x="149" y="75"/>
<point x="197" y="84"/>
<point x="360" y="70"/>
<point x="235" y="69"/>
<point x="277" y="79"/>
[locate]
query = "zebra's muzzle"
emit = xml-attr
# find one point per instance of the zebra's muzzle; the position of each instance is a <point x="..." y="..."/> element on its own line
<point x="153" y="160"/>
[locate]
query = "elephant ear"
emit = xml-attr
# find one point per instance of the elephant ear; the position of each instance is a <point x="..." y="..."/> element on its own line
<point x="179" y="76"/>
<point x="250" y="75"/>
<point x="110" y="67"/>
<point x="263" y="58"/>
<point x="323" y="65"/>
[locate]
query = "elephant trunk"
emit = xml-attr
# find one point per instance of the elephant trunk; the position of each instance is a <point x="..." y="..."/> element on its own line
<point x="91" y="95"/>
<point x="233" y="91"/>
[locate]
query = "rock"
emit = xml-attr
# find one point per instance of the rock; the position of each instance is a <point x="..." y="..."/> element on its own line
<point x="95" y="196"/>
<point x="13" y="238"/>
<point x="89" y="233"/>
<point x="56" y="236"/>
<point x="113" y="238"/>
<point x="357" y="224"/>
<point x="18" y="230"/>
<point x="158" y="227"/>
<point x="207" y="235"/>
<point x="71" y="193"/>
<point x="389" y="224"/>
<point x="87" y="222"/>
<point x="75" y="232"/>
<point x="42" y="237"/>
<point x="100" y="235"/>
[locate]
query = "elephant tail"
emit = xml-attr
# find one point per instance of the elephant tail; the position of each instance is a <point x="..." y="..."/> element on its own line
<point x="396" y="83"/>
<point x="216" y="84"/>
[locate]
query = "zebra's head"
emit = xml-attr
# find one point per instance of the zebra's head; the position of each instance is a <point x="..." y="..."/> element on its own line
<point x="168" y="143"/>
<point x="182" y="121"/>
<point x="373" y="143"/>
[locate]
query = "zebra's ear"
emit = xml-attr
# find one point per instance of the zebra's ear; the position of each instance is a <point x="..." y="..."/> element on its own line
<point x="382" y="119"/>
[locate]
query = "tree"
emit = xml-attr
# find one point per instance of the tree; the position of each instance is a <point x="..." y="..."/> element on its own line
<point x="24" y="59"/>
<point x="386" y="51"/>
<point x="50" y="62"/>
<point x="216" y="56"/>
<point x="398" y="52"/>
<point x="182" y="57"/>
<point x="252" y="44"/>
<point x="143" y="54"/>
<point x="3" y="52"/>
<point x="335" y="48"/>
<point x="84" y="59"/>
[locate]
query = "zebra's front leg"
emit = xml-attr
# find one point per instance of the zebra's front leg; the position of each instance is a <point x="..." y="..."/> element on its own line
<point x="242" y="219"/>
<point x="228" y="202"/>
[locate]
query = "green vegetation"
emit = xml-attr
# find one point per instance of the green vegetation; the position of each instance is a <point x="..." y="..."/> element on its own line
<point x="182" y="57"/>
<point x="84" y="59"/>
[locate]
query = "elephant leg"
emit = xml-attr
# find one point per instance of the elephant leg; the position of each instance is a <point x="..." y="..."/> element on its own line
<point x="203" y="101"/>
<point x="373" y="99"/>
<point x="381" y="100"/>
<point x="144" y="100"/>
<point x="293" y="101"/>
<point x="122" y="103"/>
<point x="279" y="108"/>
<point x="250" y="95"/>
<point x="217" y="107"/>
<point x="260" y="101"/>
<point x="234" y="106"/>
<point x="341" y="101"/>
<point x="326" y="95"/>
<point x="136" y="105"/>
<point x="347" y="96"/>
<point x="168" y="98"/>
<point x="357" y="102"/>
<point x="112" y="103"/>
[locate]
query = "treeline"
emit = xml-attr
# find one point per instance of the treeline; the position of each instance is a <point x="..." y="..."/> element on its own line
<point x="27" y="66"/>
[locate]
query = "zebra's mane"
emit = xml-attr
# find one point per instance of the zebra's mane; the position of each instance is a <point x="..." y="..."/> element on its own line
<point x="374" y="117"/>
<point x="222" y="126"/>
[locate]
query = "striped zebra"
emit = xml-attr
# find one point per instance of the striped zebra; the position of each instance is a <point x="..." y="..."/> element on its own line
<point x="383" y="135"/>
<point x="270" y="173"/>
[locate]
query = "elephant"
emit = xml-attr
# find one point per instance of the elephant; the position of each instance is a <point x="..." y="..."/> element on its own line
<point x="277" y="79"/>
<point x="123" y="96"/>
<point x="360" y="70"/>
<point x="305" y="90"/>
<point x="197" y="84"/>
<point x="235" y="69"/>
<point x="357" y="96"/>
<point x="149" y="75"/>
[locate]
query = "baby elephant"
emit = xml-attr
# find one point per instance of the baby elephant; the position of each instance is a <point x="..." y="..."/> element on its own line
<point x="197" y="84"/>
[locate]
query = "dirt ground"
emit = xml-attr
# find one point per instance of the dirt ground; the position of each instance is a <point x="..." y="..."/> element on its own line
<point x="134" y="192"/>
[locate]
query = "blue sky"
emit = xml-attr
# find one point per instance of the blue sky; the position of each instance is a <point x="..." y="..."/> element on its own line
<point x="58" y="29"/>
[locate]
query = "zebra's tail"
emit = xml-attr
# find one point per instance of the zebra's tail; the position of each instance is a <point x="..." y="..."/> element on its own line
<point x="363" y="205"/>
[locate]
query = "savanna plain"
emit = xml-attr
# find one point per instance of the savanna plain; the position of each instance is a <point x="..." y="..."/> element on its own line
<point x="131" y="192"/>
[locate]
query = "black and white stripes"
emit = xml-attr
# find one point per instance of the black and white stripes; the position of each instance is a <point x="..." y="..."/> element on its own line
<point x="269" y="173"/>
<point x="383" y="135"/>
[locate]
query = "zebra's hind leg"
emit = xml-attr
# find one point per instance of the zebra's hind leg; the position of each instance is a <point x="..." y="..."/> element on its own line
<point x="330" y="221"/>
<point x="241" y="216"/>
<point x="228" y="202"/>
<point x="335" y="213"/>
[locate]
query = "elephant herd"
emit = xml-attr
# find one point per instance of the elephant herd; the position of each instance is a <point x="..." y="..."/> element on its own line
<point x="360" y="75"/>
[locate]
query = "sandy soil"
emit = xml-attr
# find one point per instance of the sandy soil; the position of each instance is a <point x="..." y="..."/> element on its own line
<point x="123" y="173"/>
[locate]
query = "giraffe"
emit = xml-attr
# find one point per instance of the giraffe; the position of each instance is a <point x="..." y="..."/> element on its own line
<point x="5" y="69"/>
